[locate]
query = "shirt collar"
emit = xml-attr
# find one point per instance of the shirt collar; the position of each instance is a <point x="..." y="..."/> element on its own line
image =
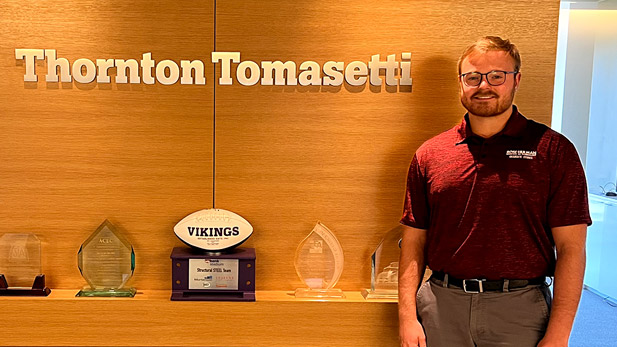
<point x="514" y="127"/>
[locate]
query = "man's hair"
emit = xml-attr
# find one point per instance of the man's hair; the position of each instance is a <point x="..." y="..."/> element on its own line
<point x="492" y="43"/>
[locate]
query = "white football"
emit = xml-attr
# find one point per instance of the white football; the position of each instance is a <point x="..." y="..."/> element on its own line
<point x="213" y="229"/>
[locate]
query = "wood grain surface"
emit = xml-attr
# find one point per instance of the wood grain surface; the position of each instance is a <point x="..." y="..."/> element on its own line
<point x="289" y="156"/>
<point x="283" y="157"/>
<point x="76" y="154"/>
<point x="150" y="319"/>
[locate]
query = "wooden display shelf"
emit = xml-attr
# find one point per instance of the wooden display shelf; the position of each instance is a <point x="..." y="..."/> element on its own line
<point x="277" y="318"/>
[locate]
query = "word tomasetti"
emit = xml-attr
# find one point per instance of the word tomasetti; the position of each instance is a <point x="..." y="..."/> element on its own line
<point x="246" y="72"/>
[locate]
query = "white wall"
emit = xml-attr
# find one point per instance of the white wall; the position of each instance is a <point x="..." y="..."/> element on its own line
<point x="585" y="110"/>
<point x="602" y="141"/>
<point x="585" y="97"/>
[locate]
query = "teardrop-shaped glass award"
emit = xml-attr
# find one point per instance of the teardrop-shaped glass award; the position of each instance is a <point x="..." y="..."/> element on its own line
<point x="319" y="264"/>
<point x="384" y="267"/>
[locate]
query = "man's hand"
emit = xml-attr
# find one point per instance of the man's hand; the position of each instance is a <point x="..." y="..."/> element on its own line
<point x="411" y="334"/>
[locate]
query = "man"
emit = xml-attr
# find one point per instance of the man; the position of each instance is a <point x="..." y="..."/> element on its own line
<point x="493" y="206"/>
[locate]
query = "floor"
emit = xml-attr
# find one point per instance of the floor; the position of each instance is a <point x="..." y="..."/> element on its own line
<point x="596" y="322"/>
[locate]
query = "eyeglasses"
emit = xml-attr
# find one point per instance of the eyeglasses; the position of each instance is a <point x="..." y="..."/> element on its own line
<point x="494" y="78"/>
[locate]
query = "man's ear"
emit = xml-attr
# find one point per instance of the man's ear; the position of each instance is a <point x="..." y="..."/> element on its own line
<point x="517" y="80"/>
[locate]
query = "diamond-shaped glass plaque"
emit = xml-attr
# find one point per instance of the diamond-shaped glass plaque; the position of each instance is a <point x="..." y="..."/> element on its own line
<point x="319" y="264"/>
<point x="106" y="261"/>
<point x="384" y="267"/>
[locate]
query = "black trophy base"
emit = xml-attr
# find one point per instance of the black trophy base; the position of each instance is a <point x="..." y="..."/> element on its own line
<point x="197" y="295"/>
<point x="38" y="288"/>
<point x="244" y="289"/>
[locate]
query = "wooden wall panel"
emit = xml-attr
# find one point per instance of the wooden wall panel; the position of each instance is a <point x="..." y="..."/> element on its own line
<point x="143" y="156"/>
<point x="75" y="154"/>
<point x="288" y="156"/>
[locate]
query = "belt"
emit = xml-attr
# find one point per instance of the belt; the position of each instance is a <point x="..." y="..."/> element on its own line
<point x="476" y="285"/>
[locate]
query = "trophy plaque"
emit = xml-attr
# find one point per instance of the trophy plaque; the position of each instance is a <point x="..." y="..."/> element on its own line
<point x="106" y="261"/>
<point x="20" y="266"/>
<point x="384" y="267"/>
<point x="319" y="264"/>
<point x="213" y="269"/>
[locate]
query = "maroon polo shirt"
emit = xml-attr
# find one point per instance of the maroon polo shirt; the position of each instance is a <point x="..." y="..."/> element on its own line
<point x="488" y="205"/>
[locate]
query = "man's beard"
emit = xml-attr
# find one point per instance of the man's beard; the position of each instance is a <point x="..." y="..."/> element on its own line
<point x="487" y="109"/>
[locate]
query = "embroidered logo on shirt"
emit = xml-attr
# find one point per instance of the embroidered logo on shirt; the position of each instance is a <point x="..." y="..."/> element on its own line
<point x="520" y="154"/>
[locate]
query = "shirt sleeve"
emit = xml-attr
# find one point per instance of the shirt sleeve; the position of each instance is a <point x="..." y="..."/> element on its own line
<point x="416" y="209"/>
<point x="568" y="201"/>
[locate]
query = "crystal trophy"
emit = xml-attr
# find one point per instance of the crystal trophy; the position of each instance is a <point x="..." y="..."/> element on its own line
<point x="319" y="264"/>
<point x="106" y="261"/>
<point x="20" y="266"/>
<point x="384" y="267"/>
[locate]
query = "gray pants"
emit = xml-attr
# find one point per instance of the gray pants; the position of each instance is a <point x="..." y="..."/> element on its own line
<point x="451" y="317"/>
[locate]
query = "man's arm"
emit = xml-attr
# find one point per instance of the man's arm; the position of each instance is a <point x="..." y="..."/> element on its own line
<point x="411" y="272"/>
<point x="569" y="272"/>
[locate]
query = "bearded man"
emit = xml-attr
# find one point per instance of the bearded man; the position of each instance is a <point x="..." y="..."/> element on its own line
<point x="493" y="207"/>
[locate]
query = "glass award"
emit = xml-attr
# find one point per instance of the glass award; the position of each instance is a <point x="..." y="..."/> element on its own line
<point x="384" y="267"/>
<point x="319" y="264"/>
<point x="20" y="266"/>
<point x="106" y="261"/>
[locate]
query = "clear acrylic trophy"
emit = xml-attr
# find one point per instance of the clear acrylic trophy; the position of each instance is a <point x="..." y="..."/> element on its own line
<point x="319" y="264"/>
<point x="384" y="267"/>
<point x="20" y="266"/>
<point x="106" y="261"/>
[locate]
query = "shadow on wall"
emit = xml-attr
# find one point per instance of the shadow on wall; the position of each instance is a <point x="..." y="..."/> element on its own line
<point x="432" y="108"/>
